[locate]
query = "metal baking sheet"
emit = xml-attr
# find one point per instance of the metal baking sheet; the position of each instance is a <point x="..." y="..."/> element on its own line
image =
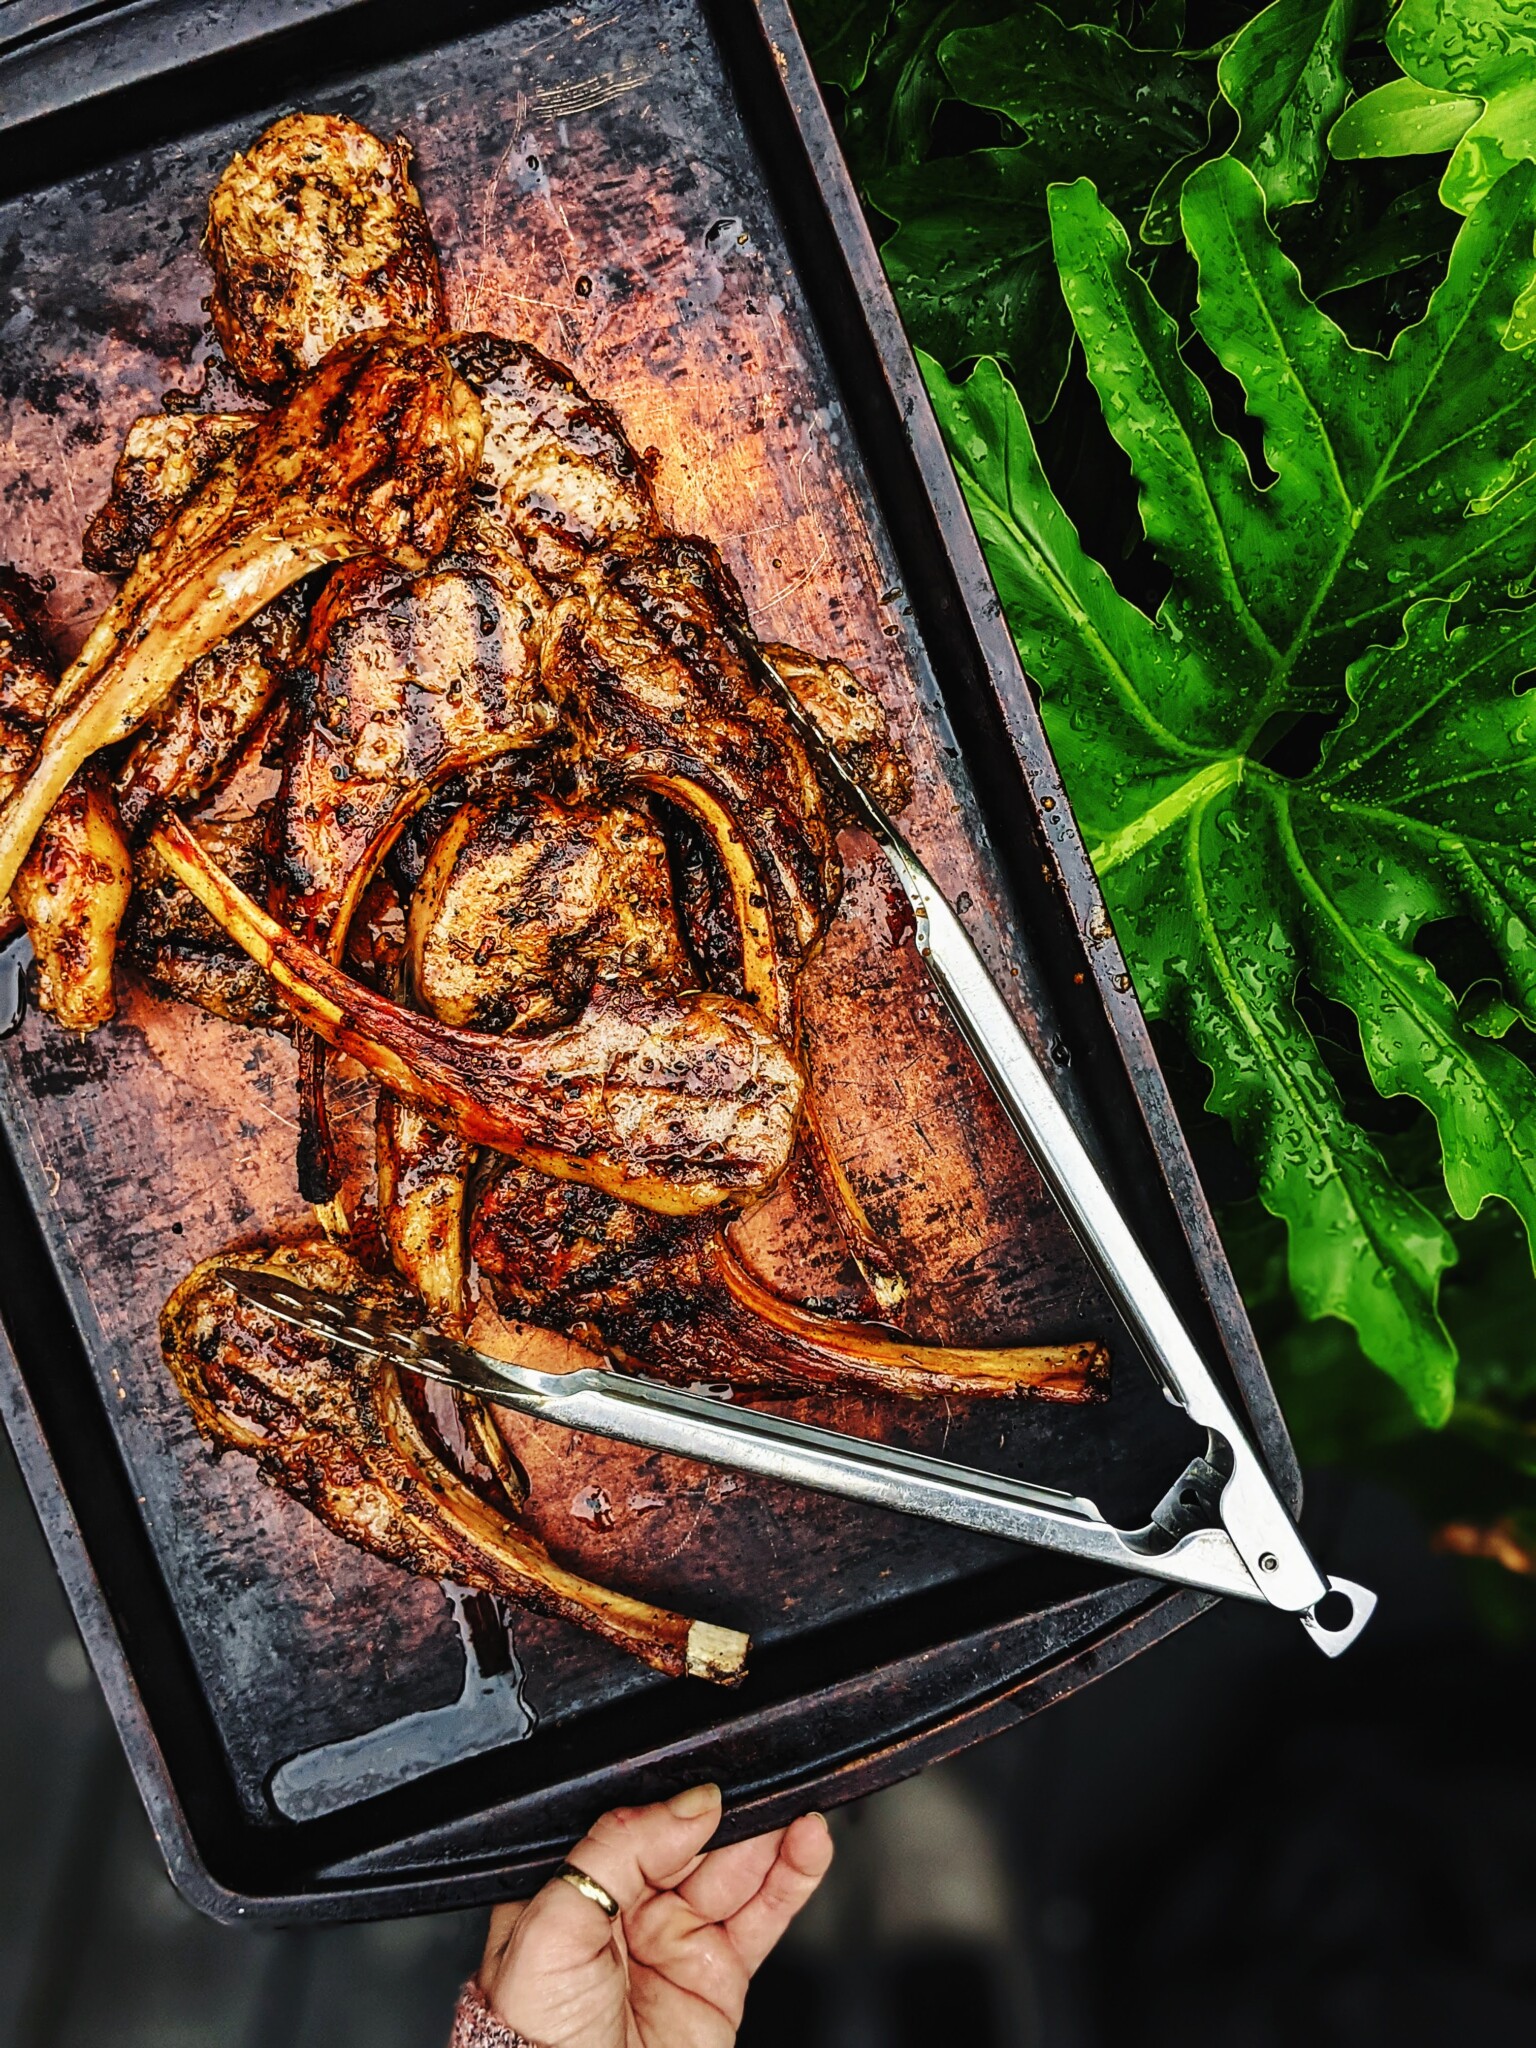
<point x="650" y="194"/>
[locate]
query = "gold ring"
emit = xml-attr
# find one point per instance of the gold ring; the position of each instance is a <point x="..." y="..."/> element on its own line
<point x="590" y="1889"/>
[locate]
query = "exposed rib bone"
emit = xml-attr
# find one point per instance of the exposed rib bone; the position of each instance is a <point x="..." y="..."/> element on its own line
<point x="337" y="1433"/>
<point x="374" y="453"/>
<point x="677" y="1103"/>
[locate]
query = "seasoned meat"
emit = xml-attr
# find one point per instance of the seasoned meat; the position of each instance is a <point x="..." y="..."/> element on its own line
<point x="374" y="453"/>
<point x="167" y="458"/>
<point x="668" y="1293"/>
<point x="316" y="235"/>
<point x="408" y="679"/>
<point x="72" y="891"/>
<point x="175" y="945"/>
<point x="679" y="1103"/>
<point x="644" y="665"/>
<point x="339" y="1434"/>
<point x="852" y="719"/>
<point x="28" y="677"/>
<point x="423" y="1173"/>
<point x="524" y="907"/>
<point x="557" y="466"/>
<point x="195" y="734"/>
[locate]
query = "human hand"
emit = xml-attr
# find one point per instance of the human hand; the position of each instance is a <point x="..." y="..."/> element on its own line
<point x="672" y="1971"/>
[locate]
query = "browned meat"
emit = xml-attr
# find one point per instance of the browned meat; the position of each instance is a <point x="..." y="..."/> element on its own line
<point x="557" y="466"/>
<point x="408" y="679"/>
<point x="175" y="945"/>
<point x="374" y="453"/>
<point x="643" y="663"/>
<point x="72" y="891"/>
<point x="198" y="731"/>
<point x="669" y="1293"/>
<point x="851" y="718"/>
<point x="28" y="677"/>
<point x="316" y="234"/>
<point x="167" y="457"/>
<point x="524" y="907"/>
<point x="338" y="1434"/>
<point x="423" y="1172"/>
<point x="679" y="1103"/>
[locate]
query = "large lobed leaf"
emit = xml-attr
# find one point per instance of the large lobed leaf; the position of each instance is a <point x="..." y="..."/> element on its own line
<point x="1373" y="576"/>
<point x="1469" y="86"/>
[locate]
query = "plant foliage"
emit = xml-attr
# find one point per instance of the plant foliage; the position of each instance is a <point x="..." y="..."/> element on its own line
<point x="1293" y="720"/>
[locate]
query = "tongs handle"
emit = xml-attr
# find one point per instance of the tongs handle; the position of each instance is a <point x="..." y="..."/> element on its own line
<point x="1252" y="1513"/>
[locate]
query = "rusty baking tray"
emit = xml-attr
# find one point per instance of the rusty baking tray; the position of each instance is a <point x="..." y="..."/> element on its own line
<point x="653" y="193"/>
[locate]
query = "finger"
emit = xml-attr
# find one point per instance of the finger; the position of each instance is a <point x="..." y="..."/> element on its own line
<point x="727" y="1878"/>
<point x="805" y="1854"/>
<point x="637" y="1850"/>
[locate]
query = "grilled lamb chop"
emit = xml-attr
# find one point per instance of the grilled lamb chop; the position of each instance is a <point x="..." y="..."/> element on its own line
<point x="167" y="457"/>
<point x="671" y="1295"/>
<point x="73" y="889"/>
<point x="316" y="235"/>
<point x="340" y="1435"/>
<point x="681" y="1103"/>
<point x="189" y="742"/>
<point x="523" y="905"/>
<point x="373" y="453"/>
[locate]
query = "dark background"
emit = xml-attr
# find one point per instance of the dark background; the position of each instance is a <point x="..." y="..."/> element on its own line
<point x="1231" y="1843"/>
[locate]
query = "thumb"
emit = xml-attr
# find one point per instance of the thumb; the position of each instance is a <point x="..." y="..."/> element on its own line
<point x="631" y="1852"/>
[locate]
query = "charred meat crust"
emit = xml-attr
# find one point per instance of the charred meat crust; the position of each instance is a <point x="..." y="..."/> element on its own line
<point x="316" y="234"/>
<point x="190" y="741"/>
<point x="175" y="946"/>
<point x="337" y="1433"/>
<point x="523" y="907"/>
<point x="28" y="677"/>
<point x="669" y="1294"/>
<point x="167" y="457"/>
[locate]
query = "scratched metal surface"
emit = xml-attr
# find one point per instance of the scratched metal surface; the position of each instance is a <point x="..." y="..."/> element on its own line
<point x="590" y="188"/>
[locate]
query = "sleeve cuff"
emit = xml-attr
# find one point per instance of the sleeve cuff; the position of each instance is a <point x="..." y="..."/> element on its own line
<point x="476" y="2026"/>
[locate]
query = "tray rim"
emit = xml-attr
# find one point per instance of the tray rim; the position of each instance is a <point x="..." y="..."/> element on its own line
<point x="1037" y="1684"/>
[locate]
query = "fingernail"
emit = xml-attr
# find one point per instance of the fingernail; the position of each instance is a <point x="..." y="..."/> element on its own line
<point x="697" y="1800"/>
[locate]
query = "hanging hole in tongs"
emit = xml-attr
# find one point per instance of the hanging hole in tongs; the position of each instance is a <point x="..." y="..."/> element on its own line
<point x="1339" y="1616"/>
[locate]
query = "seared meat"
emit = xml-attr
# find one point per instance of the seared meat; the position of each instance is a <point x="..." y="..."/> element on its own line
<point x="668" y="1293"/>
<point x="407" y="682"/>
<point x="524" y="907"/>
<point x="316" y="235"/>
<point x="339" y="1434"/>
<point x="28" y="677"/>
<point x="678" y="1103"/>
<point x="72" y="891"/>
<point x="175" y="945"/>
<point x="196" y="733"/>
<point x="557" y="467"/>
<point x="851" y="717"/>
<point x="423" y="1172"/>
<point x="167" y="457"/>
<point x="373" y="454"/>
<point x="408" y="679"/>
<point x="645" y="667"/>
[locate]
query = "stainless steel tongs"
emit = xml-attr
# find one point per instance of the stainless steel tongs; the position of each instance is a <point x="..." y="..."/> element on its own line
<point x="1221" y="1526"/>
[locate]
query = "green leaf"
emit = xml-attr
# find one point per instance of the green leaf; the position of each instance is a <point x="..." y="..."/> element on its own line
<point x="1082" y="99"/>
<point x="1236" y="886"/>
<point x="970" y="263"/>
<point x="1402" y="118"/>
<point x="970" y="259"/>
<point x="1470" y="87"/>
<point x="840" y="34"/>
<point x="1284" y="73"/>
<point x="889" y="119"/>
